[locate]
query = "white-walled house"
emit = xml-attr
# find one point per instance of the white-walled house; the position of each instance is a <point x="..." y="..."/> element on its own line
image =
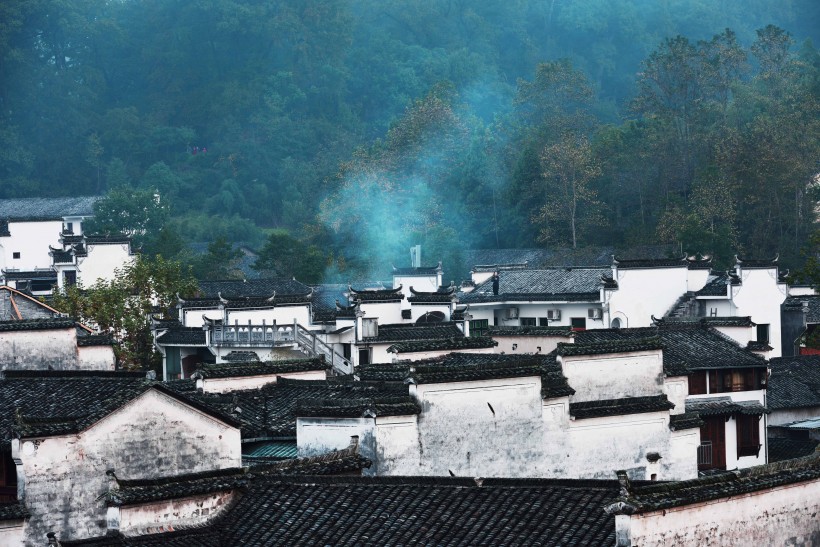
<point x="29" y="227"/>
<point x="520" y="415"/>
<point x="64" y="431"/>
<point x="53" y="344"/>
<point x="87" y="260"/>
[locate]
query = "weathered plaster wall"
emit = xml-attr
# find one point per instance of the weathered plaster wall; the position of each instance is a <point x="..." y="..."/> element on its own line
<point x="677" y="389"/>
<point x="597" y="377"/>
<point x="787" y="416"/>
<point x="222" y="385"/>
<point x="317" y="436"/>
<point x="397" y="446"/>
<point x="419" y="355"/>
<point x="527" y="344"/>
<point x="171" y="514"/>
<point x="96" y="357"/>
<point x="599" y="446"/>
<point x="489" y="428"/>
<point x="13" y="533"/>
<point x="284" y="316"/>
<point x="785" y="515"/>
<point x="39" y="350"/>
<point x="153" y="435"/>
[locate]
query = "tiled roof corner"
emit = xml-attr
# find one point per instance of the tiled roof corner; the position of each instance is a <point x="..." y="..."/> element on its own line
<point x="564" y="332"/>
<point x="56" y="323"/>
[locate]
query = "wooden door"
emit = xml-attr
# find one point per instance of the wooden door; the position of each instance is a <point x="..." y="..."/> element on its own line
<point x="713" y="436"/>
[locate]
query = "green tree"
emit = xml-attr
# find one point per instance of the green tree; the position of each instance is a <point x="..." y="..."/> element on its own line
<point x="572" y="208"/>
<point x="122" y="307"/>
<point x="220" y="262"/>
<point x="139" y="214"/>
<point x="285" y="256"/>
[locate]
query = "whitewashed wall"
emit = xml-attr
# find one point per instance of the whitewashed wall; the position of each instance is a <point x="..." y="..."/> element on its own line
<point x="101" y="262"/>
<point x="39" y="350"/>
<point x="760" y="296"/>
<point x="527" y="344"/>
<point x="643" y="293"/>
<point x="223" y="385"/>
<point x="12" y="532"/>
<point x="783" y="515"/>
<point x="386" y="312"/>
<point x="153" y="435"/>
<point x="32" y="241"/>
<point x="96" y="358"/>
<point x="172" y="514"/>
<point x="614" y="376"/>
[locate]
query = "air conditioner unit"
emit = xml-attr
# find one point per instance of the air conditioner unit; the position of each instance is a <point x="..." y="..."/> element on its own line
<point x="554" y="315"/>
<point x="594" y="313"/>
<point x="511" y="313"/>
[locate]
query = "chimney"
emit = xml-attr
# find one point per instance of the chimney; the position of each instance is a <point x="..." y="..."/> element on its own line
<point x="415" y="256"/>
<point x="496" y="281"/>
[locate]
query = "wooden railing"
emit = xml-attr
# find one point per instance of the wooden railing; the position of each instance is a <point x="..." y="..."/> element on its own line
<point x="705" y="453"/>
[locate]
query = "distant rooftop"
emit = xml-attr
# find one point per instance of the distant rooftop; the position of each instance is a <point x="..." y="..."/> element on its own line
<point x="47" y="208"/>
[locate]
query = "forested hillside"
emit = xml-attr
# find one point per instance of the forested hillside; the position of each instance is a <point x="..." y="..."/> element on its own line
<point x="337" y="133"/>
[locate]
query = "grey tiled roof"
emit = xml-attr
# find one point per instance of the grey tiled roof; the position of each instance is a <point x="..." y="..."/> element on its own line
<point x="788" y="449"/>
<point x="620" y="407"/>
<point x="440" y="296"/>
<point x="655" y="497"/>
<point x="183" y="336"/>
<point x="812" y="304"/>
<point x="564" y="332"/>
<point x="369" y="407"/>
<point x="714" y="321"/>
<point x="644" y="263"/>
<point x="95" y="340"/>
<point x="408" y="332"/>
<point x="686" y="347"/>
<point x="22" y="275"/>
<point x="747" y="263"/>
<point x="4" y="228"/>
<point x="383" y="295"/>
<point x="722" y="406"/>
<point x="260" y="368"/>
<point x="180" y="486"/>
<point x="424" y="271"/>
<point x="47" y="403"/>
<point x="716" y="284"/>
<point x="610" y="346"/>
<point x="57" y="323"/>
<point x="252" y="288"/>
<point x="687" y="420"/>
<point x="581" y="284"/>
<point x="444" y="344"/>
<point x="794" y="382"/>
<point x="292" y="510"/>
<point x="240" y="356"/>
<point x="47" y="208"/>
<point x="270" y="410"/>
<point x="13" y="511"/>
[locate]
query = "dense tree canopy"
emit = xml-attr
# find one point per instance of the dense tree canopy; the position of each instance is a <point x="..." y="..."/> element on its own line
<point x="341" y="133"/>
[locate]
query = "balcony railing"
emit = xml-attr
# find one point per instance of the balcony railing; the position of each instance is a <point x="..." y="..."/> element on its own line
<point x="261" y="335"/>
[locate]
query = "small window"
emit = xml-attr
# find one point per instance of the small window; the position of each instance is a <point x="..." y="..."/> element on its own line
<point x="69" y="278"/>
<point x="763" y="333"/>
<point x="15" y="255"/>
<point x="697" y="383"/>
<point x="712" y="312"/>
<point x="69" y="227"/>
<point x="543" y="322"/>
<point x="364" y="356"/>
<point x="578" y="323"/>
<point x="528" y="321"/>
<point x="748" y="435"/>
<point x="615" y="323"/>
<point x="478" y="327"/>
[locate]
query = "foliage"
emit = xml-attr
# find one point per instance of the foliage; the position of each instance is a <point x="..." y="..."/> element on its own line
<point x="140" y="214"/>
<point x="285" y="256"/>
<point x="383" y="124"/>
<point x="220" y="262"/>
<point x="122" y="307"/>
